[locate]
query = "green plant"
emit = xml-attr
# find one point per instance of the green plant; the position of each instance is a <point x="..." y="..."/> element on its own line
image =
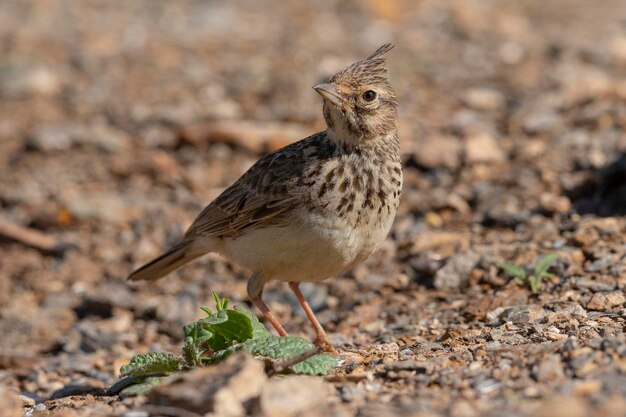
<point x="535" y="276"/>
<point x="212" y="339"/>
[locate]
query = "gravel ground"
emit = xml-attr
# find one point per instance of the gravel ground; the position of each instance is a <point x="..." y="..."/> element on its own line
<point x="120" y="120"/>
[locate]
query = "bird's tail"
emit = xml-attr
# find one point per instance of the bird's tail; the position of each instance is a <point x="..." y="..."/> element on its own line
<point x="174" y="258"/>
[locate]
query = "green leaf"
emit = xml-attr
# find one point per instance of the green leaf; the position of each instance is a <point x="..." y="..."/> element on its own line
<point x="217" y="318"/>
<point x="316" y="365"/>
<point x="534" y="281"/>
<point x="514" y="270"/>
<point x="258" y="330"/>
<point x="544" y="264"/>
<point x="287" y="347"/>
<point x="151" y="363"/>
<point x="196" y="334"/>
<point x="236" y="327"/>
<point x="220" y="303"/>
<point x="192" y="355"/>
<point x="141" y="388"/>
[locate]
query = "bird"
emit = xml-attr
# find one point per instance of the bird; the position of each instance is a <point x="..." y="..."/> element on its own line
<point x="312" y="209"/>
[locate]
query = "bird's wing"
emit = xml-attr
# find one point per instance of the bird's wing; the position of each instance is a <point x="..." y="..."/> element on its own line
<point x="259" y="198"/>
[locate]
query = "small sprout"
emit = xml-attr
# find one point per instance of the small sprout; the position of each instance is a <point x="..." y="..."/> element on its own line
<point x="220" y="303"/>
<point x="535" y="277"/>
<point x="515" y="271"/>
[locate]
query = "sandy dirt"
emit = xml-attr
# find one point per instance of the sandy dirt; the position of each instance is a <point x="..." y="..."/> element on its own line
<point x="120" y="120"/>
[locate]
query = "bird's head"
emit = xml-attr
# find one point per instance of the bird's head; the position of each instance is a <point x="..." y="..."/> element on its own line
<point x="359" y="103"/>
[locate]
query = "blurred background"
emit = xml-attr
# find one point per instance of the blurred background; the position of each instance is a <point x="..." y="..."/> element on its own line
<point x="120" y="120"/>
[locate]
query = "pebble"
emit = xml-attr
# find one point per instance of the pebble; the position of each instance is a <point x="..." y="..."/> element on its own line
<point x="463" y="408"/>
<point x="484" y="99"/>
<point x="57" y="137"/>
<point x="503" y="210"/>
<point x="62" y="136"/>
<point x="223" y="390"/>
<point x="483" y="148"/>
<point x="455" y="273"/>
<point x="26" y="401"/>
<point x="440" y="151"/>
<point x="542" y="121"/>
<point x="602" y="301"/>
<point x="521" y="314"/>
<point x="549" y="369"/>
<point x="299" y="395"/>
<point x="569" y="406"/>
<point x="10" y="403"/>
<point x="409" y="365"/>
<point x="595" y="285"/>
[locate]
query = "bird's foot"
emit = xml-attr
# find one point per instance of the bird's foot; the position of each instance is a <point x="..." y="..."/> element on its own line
<point x="324" y="344"/>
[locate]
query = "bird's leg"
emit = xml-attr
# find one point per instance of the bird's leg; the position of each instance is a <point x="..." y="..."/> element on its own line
<point x="321" y="340"/>
<point x="255" y="291"/>
<point x="260" y="304"/>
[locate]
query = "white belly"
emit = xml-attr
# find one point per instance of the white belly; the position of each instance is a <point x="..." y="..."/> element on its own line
<point x="311" y="248"/>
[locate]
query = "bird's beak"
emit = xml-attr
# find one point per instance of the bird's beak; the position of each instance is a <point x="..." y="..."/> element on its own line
<point x="329" y="92"/>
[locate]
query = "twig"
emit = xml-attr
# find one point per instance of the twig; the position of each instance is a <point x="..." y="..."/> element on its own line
<point x="279" y="367"/>
<point x="33" y="238"/>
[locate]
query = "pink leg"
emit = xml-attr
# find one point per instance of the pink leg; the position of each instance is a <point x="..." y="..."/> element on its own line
<point x="260" y="304"/>
<point x="321" y="340"/>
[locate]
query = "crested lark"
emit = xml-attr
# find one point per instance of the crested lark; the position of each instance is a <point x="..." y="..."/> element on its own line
<point x="314" y="208"/>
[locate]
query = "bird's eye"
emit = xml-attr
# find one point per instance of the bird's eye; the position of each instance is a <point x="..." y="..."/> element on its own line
<point x="369" y="95"/>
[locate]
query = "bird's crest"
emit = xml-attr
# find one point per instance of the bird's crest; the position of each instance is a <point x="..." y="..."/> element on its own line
<point x="371" y="70"/>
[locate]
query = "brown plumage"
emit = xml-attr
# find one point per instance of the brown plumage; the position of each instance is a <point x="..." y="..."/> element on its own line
<point x="312" y="209"/>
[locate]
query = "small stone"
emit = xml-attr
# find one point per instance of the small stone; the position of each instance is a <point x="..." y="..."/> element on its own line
<point x="56" y="137"/>
<point x="542" y="122"/>
<point x="511" y="53"/>
<point x="222" y="390"/>
<point x="108" y="207"/>
<point x="136" y="414"/>
<point x="586" y="237"/>
<point x="523" y="314"/>
<point x="602" y="264"/>
<point x="505" y="210"/>
<point x="608" y="226"/>
<point x="11" y="404"/>
<point x="582" y="362"/>
<point x="26" y="401"/>
<point x="594" y="285"/>
<point x="299" y="395"/>
<point x="617" y="48"/>
<point x="587" y="387"/>
<point x="409" y="365"/>
<point x="456" y="271"/>
<point x="438" y="152"/>
<point x="483" y="148"/>
<point x="463" y="408"/>
<point x="554" y="204"/>
<point x="40" y="80"/>
<point x="483" y="99"/>
<point x="563" y="407"/>
<point x="549" y="369"/>
<point x="106" y="137"/>
<point x="602" y="301"/>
